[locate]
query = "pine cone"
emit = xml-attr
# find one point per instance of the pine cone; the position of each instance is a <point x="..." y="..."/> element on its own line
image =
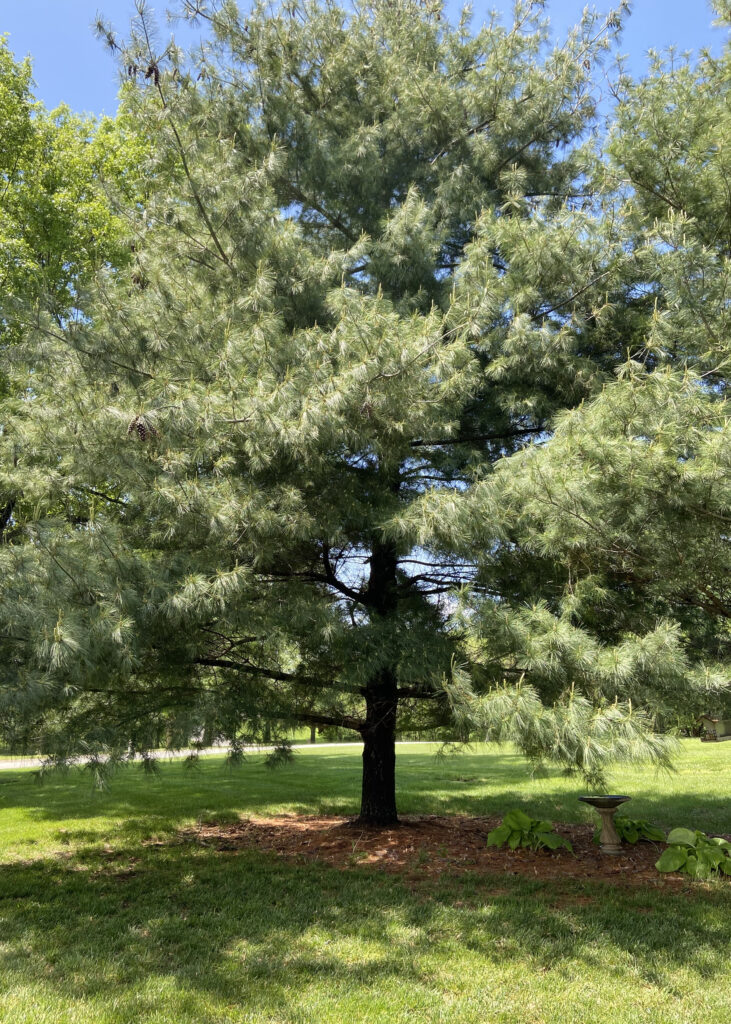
<point x="142" y="427"/>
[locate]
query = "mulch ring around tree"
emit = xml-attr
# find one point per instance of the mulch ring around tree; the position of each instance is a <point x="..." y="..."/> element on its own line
<point x="424" y="847"/>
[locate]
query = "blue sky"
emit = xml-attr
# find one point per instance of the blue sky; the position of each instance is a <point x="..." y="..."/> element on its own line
<point x="71" y="66"/>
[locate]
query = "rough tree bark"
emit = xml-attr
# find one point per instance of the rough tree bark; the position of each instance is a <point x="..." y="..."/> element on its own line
<point x="378" y="793"/>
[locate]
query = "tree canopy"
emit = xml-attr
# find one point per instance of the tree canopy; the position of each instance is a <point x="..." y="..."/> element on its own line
<point x="403" y="409"/>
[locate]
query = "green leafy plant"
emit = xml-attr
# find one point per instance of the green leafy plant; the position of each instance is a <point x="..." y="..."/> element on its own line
<point x="517" y="829"/>
<point x="695" y="853"/>
<point x="631" y="830"/>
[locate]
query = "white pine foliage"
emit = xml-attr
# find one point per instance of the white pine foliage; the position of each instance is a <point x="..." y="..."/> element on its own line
<point x="379" y="296"/>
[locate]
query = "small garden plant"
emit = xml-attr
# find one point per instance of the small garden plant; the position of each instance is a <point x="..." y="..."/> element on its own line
<point x="517" y="829"/>
<point x="695" y="854"/>
<point x="630" y="830"/>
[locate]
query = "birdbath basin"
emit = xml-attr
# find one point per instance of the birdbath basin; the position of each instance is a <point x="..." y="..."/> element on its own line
<point x="605" y="806"/>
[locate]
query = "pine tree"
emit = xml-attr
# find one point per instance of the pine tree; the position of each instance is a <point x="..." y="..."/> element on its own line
<point x="609" y="545"/>
<point x="369" y="267"/>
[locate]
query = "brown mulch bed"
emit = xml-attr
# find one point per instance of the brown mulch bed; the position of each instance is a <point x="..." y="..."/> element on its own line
<point x="425" y="847"/>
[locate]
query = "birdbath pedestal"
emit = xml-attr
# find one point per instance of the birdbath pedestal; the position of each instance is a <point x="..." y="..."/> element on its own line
<point x="605" y="806"/>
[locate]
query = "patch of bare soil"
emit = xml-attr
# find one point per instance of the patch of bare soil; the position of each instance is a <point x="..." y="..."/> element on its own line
<point x="425" y="847"/>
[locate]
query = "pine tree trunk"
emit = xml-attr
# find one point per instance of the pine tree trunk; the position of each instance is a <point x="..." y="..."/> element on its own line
<point x="378" y="793"/>
<point x="313" y="734"/>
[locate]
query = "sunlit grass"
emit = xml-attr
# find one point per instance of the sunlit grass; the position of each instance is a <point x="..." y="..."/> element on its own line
<point x="99" y="927"/>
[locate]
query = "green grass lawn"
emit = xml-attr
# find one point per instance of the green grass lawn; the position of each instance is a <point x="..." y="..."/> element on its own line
<point x="98" y="927"/>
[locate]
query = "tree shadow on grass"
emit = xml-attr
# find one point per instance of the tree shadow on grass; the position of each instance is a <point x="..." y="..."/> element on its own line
<point x="473" y="784"/>
<point x="206" y="930"/>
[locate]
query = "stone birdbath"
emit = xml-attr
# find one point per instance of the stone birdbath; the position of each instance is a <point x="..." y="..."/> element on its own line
<point x="605" y="806"/>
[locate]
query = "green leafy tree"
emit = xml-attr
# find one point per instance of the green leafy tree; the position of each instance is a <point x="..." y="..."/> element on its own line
<point x="369" y="267"/>
<point x="55" y="221"/>
<point x="56" y="227"/>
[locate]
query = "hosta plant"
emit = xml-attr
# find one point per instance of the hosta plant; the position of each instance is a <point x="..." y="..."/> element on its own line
<point x="631" y="830"/>
<point x="517" y="829"/>
<point x="695" y="853"/>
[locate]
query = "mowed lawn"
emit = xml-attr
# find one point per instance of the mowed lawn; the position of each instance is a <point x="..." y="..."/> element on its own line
<point x="99" y="926"/>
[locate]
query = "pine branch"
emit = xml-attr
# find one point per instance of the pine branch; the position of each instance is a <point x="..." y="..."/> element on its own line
<point x="181" y="149"/>
<point x="339" y="721"/>
<point x="418" y="693"/>
<point x="470" y="438"/>
<point x="332" y="218"/>
<point x="106" y="497"/>
<point x="6" y="514"/>
<point x="317" y="577"/>
<point x="332" y="579"/>
<point x="264" y="673"/>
